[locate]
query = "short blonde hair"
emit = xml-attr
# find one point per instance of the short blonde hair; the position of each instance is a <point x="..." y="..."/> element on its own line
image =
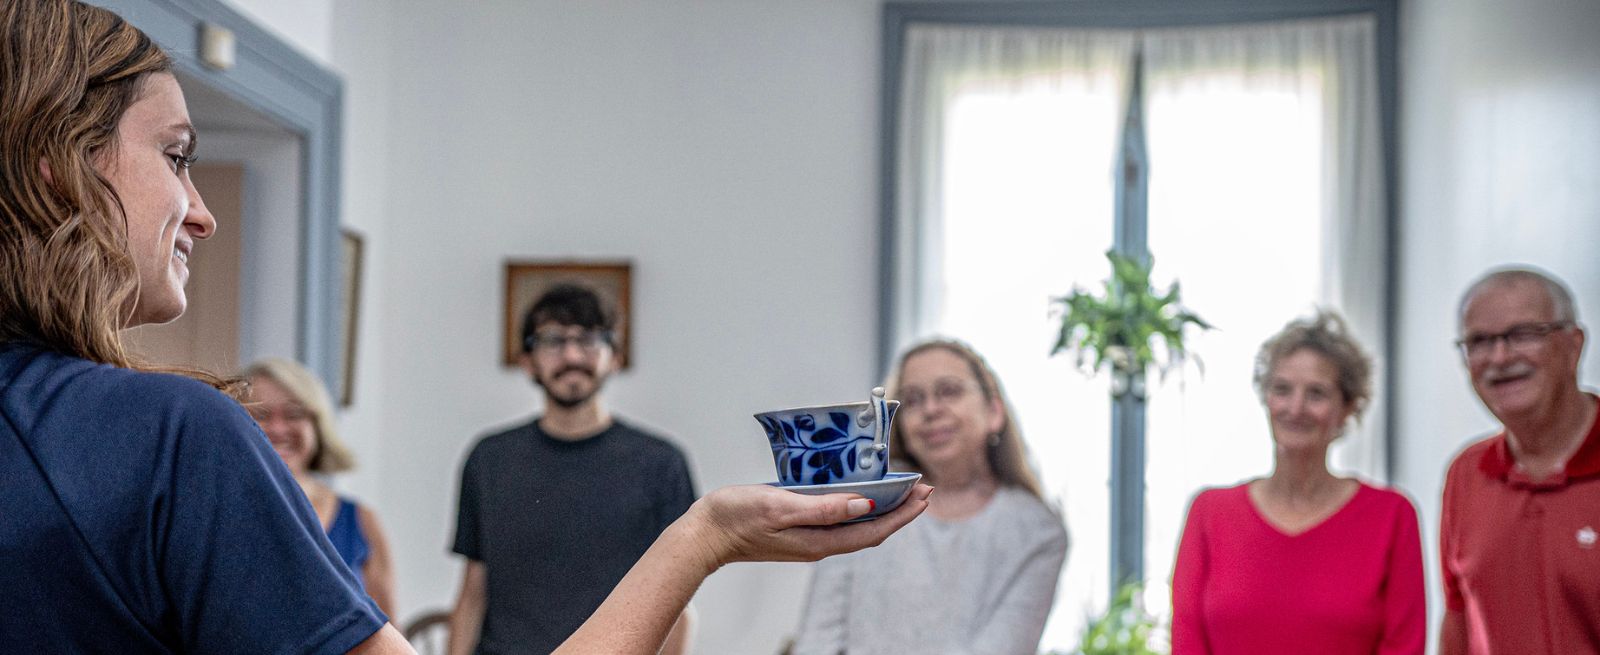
<point x="332" y="455"/>
<point x="1325" y="334"/>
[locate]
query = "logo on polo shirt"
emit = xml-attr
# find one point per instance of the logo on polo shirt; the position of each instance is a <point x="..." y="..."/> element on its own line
<point x="1587" y="537"/>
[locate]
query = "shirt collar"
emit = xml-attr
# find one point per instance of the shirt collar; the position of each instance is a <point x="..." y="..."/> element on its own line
<point x="1586" y="461"/>
<point x="1497" y="459"/>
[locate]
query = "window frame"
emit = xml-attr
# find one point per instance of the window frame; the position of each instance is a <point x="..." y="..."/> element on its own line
<point x="1128" y="413"/>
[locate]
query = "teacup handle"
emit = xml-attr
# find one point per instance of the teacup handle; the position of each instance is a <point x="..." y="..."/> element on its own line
<point x="875" y="414"/>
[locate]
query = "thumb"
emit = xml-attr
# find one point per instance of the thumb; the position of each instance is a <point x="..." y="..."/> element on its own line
<point x="834" y="508"/>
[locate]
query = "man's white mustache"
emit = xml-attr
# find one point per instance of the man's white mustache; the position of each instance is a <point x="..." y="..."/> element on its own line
<point x="1515" y="370"/>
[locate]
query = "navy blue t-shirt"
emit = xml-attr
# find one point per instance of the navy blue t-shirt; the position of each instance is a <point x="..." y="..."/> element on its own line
<point x="146" y="513"/>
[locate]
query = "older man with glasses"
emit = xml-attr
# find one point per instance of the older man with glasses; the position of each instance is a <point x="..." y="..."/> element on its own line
<point x="1521" y="509"/>
<point x="553" y="512"/>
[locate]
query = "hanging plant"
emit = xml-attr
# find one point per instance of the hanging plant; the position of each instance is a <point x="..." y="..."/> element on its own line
<point x="1125" y="629"/>
<point x="1127" y="324"/>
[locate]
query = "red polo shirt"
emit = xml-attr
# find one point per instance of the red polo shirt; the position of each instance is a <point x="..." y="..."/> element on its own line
<point x="1521" y="558"/>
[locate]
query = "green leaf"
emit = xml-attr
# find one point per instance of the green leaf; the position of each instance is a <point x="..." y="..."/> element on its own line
<point x="1124" y="629"/>
<point x="1128" y="313"/>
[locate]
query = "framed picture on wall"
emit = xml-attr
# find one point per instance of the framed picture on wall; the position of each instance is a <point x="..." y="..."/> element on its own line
<point x="527" y="280"/>
<point x="350" y="288"/>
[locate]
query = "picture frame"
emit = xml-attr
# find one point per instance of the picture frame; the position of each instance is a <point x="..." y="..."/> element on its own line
<point x="350" y="267"/>
<point x="526" y="280"/>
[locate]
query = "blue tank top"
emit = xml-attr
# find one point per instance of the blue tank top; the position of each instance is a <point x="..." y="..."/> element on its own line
<point x="345" y="533"/>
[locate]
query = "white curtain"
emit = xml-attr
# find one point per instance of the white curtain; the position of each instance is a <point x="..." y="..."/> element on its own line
<point x="1265" y="200"/>
<point x="1256" y="125"/>
<point x="1082" y="74"/>
<point x="1005" y="196"/>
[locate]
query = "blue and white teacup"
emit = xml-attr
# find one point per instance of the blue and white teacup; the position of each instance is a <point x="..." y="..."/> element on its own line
<point x="830" y="444"/>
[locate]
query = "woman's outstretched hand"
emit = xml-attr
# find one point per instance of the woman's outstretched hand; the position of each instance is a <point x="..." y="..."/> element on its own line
<point x="732" y="524"/>
<point x="766" y="523"/>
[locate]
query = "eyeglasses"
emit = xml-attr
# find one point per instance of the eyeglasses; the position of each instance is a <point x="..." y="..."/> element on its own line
<point x="1524" y="338"/>
<point x="264" y="413"/>
<point x="945" y="391"/>
<point x="588" y="341"/>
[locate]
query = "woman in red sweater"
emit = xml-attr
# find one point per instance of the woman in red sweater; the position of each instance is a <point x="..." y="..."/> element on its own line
<point x="1302" y="561"/>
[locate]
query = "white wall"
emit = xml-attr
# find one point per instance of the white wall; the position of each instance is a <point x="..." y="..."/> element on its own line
<point x="727" y="148"/>
<point x="1501" y="148"/>
<point x="306" y="25"/>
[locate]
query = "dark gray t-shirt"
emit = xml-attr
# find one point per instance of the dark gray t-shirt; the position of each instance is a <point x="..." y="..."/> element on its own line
<point x="558" y="523"/>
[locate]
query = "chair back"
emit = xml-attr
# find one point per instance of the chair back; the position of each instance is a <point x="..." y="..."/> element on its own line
<point x="429" y="634"/>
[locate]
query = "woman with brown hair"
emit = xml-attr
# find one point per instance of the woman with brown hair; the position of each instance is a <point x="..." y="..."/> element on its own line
<point x="982" y="567"/>
<point x="144" y="512"/>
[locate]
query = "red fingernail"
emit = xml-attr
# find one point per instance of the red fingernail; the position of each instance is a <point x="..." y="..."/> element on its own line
<point x="871" y="504"/>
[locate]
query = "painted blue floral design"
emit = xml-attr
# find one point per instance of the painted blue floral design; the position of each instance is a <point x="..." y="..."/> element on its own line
<point x="820" y="448"/>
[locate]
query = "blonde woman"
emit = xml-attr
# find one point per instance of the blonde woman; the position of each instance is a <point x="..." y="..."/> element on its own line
<point x="292" y="407"/>
<point x="1302" y="560"/>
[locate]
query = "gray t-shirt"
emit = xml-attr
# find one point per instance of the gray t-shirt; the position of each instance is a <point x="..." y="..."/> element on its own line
<point x="983" y="585"/>
<point x="557" y="524"/>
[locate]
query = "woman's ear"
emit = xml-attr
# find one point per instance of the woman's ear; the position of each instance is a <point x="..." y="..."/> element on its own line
<point x="997" y="415"/>
<point x="44" y="169"/>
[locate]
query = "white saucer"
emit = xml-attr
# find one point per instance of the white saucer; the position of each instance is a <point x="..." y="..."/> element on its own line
<point x="886" y="493"/>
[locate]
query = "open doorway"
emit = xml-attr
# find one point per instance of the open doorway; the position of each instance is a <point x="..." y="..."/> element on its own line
<point x="244" y="280"/>
<point x="269" y="124"/>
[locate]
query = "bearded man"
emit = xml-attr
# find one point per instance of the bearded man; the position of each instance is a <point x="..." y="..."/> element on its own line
<point x="553" y="512"/>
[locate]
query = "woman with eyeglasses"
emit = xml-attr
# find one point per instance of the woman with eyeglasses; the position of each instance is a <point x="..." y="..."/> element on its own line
<point x="1302" y="561"/>
<point x="978" y="573"/>
<point x="292" y="407"/>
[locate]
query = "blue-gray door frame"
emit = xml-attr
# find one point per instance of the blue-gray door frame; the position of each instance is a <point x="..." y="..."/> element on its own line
<point x="1127" y="474"/>
<point x="305" y="99"/>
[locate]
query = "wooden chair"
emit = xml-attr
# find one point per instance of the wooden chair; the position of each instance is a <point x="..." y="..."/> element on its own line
<point x="429" y="633"/>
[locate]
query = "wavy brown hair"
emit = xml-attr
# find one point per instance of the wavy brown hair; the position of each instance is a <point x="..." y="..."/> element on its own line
<point x="1008" y="455"/>
<point x="67" y="277"/>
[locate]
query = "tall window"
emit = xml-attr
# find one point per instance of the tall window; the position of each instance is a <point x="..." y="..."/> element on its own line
<point x="1265" y="200"/>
